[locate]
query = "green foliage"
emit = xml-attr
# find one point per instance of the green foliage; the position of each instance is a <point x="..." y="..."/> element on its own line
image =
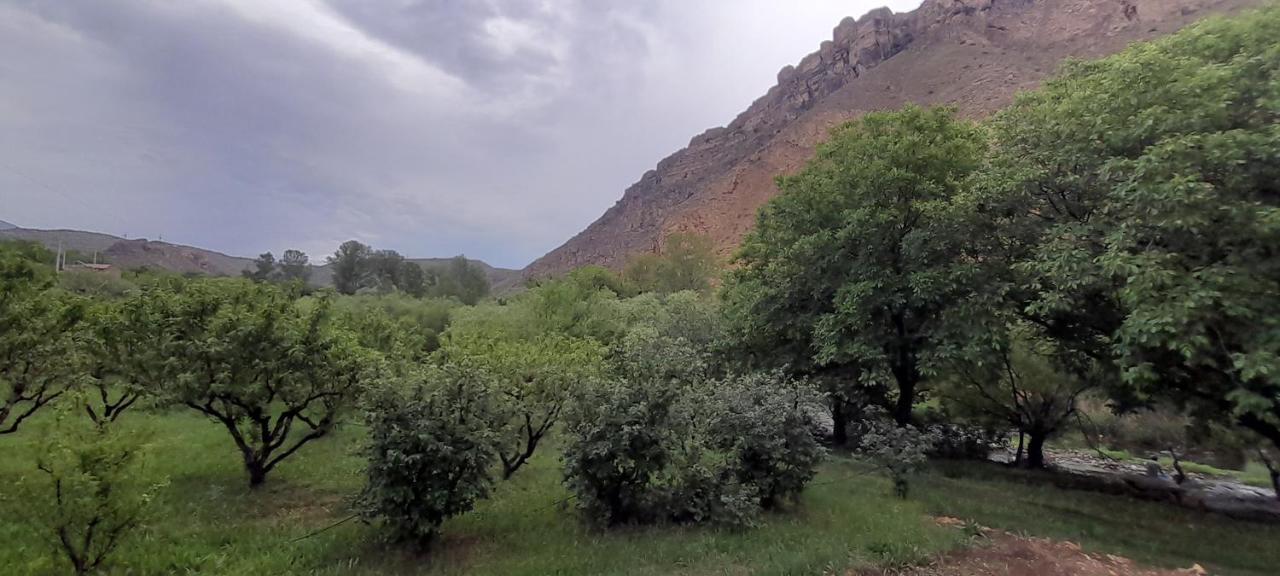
<point x="129" y="347"/>
<point x="259" y="363"/>
<point x="532" y="381"/>
<point x="899" y="450"/>
<point x="430" y="451"/>
<point x="350" y="264"/>
<point x="867" y="256"/>
<point x="663" y="449"/>
<point x="1016" y="383"/>
<point x="686" y="262"/>
<point x="294" y="266"/>
<point x="87" y="493"/>
<point x="1146" y="217"/>
<point x="462" y="279"/>
<point x="38" y="360"/>
<point x="403" y="329"/>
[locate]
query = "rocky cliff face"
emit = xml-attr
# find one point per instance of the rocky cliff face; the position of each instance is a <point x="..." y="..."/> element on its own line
<point x="970" y="54"/>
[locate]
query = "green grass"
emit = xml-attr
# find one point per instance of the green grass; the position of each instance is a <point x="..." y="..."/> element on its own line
<point x="210" y="523"/>
<point x="1149" y="532"/>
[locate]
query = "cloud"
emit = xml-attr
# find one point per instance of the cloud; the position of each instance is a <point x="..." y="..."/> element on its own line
<point x="495" y="128"/>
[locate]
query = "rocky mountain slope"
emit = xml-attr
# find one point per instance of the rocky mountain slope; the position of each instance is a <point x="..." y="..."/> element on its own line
<point x="970" y="54"/>
<point x="128" y="254"/>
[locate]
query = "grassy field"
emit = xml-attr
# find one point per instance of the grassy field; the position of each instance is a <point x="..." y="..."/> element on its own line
<point x="210" y="523"/>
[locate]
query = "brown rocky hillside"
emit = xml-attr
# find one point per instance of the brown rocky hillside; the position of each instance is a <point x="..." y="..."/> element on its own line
<point x="970" y="54"/>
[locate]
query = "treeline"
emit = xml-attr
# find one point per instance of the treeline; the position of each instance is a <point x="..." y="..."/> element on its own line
<point x="358" y="267"/>
<point x="1115" y="233"/>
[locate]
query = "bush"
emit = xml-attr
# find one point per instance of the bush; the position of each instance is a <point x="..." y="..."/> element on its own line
<point x="88" y="494"/>
<point x="430" y="452"/>
<point x="900" y="450"/>
<point x="702" y="452"/>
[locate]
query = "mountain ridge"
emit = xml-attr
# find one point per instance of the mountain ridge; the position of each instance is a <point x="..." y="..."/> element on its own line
<point x="182" y="259"/>
<point x="973" y="55"/>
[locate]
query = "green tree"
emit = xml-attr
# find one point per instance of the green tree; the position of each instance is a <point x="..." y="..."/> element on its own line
<point x="880" y="225"/>
<point x="413" y="279"/>
<point x="350" y="265"/>
<point x="264" y="268"/>
<point x="90" y="492"/>
<point x="129" y="345"/>
<point x="294" y="266"/>
<point x="687" y="262"/>
<point x="464" y="280"/>
<point x="430" y="451"/>
<point x="264" y="366"/>
<point x="385" y="267"/>
<point x="1142" y="195"/>
<point x="533" y="379"/>
<point x="39" y="358"/>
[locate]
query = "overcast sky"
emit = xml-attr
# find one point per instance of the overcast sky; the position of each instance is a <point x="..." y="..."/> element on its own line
<point x="494" y="128"/>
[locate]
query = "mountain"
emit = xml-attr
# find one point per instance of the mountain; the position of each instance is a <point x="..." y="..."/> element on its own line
<point x="6" y="226"/>
<point x="137" y="253"/>
<point x="973" y="55"/>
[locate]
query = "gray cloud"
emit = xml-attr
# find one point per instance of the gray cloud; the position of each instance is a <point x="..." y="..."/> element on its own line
<point x="496" y="128"/>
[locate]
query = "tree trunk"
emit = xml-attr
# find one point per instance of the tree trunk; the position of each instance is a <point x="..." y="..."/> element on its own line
<point x="839" y="422"/>
<point x="1017" y="458"/>
<point x="257" y="474"/>
<point x="1035" y="450"/>
<point x="906" y="401"/>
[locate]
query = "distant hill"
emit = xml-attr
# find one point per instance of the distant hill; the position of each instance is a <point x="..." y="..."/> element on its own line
<point x="140" y="252"/>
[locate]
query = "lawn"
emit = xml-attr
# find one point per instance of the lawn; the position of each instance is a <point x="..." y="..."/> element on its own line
<point x="210" y="523"/>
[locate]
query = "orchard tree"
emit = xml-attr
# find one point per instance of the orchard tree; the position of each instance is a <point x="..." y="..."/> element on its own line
<point x="130" y="351"/>
<point x="350" y="265"/>
<point x="1143" y="191"/>
<point x="39" y="358"/>
<point x="275" y="372"/>
<point x="879" y="236"/>
<point x="533" y="379"/>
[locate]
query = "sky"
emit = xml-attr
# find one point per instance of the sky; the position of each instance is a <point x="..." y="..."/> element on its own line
<point x="492" y="128"/>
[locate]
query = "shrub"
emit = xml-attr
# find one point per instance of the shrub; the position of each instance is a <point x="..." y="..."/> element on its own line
<point x="964" y="441"/>
<point x="702" y="452"/>
<point x="88" y="494"/>
<point x="900" y="450"/>
<point x="430" y="451"/>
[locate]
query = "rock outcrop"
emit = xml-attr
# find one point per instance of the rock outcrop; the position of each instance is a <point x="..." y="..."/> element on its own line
<point x="970" y="54"/>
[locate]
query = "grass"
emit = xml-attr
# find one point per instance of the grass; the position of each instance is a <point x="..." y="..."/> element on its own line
<point x="1149" y="532"/>
<point x="210" y="523"/>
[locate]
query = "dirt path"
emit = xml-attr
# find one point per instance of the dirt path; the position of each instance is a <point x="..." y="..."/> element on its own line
<point x="1003" y="554"/>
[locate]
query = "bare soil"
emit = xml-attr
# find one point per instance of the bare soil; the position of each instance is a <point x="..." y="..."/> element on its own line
<point x="999" y="553"/>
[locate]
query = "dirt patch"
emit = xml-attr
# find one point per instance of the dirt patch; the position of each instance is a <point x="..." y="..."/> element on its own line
<point x="1001" y="554"/>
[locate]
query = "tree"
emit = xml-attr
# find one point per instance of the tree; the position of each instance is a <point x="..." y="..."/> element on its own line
<point x="430" y="451"/>
<point x="413" y="279"/>
<point x="1018" y="382"/>
<point x="880" y="225"/>
<point x="294" y="266"/>
<point x="38" y="353"/>
<point x="385" y="267"/>
<point x="130" y="349"/>
<point x="462" y="279"/>
<point x="90" y="494"/>
<point x="350" y="265"/>
<point x="533" y="379"/>
<point x="264" y="268"/>
<point x="263" y="365"/>
<point x="1143" y="194"/>
<point x="687" y="262"/>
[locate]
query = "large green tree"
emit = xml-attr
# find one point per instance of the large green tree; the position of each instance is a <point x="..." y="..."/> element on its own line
<point x="1141" y="209"/>
<point x="869" y="253"/>
<point x="350" y="264"/>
